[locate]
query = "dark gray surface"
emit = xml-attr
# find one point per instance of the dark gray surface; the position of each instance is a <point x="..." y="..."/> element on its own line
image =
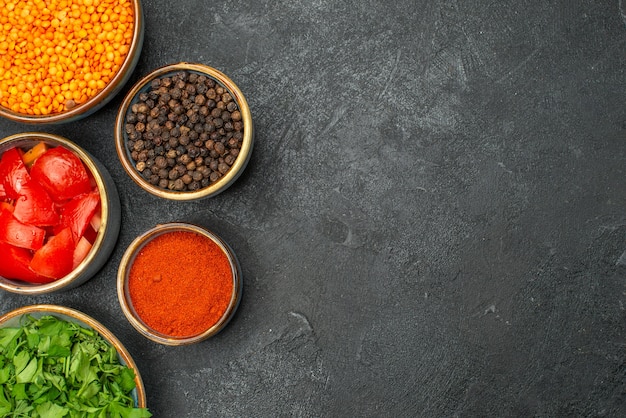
<point x="433" y="221"/>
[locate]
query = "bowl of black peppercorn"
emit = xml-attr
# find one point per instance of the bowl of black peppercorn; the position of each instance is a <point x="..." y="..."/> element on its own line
<point x="184" y="132"/>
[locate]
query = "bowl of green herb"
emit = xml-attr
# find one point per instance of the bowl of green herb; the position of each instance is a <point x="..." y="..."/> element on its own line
<point x="57" y="361"/>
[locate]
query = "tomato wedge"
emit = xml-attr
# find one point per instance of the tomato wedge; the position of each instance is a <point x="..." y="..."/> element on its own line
<point x="14" y="263"/>
<point x="13" y="172"/>
<point x="61" y="173"/>
<point x="35" y="206"/>
<point x="20" y="234"/>
<point x="49" y="207"/>
<point x="55" y="258"/>
<point x="77" y="213"/>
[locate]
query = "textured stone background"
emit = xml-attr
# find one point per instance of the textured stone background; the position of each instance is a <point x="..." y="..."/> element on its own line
<point x="433" y="221"/>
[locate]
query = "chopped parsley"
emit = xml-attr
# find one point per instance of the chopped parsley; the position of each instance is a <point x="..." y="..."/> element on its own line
<point x="52" y="368"/>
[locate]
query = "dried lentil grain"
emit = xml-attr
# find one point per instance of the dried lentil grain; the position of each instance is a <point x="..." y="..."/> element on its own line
<point x="57" y="54"/>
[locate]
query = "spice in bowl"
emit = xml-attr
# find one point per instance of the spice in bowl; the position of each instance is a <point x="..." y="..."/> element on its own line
<point x="59" y="56"/>
<point x="184" y="132"/>
<point x="179" y="284"/>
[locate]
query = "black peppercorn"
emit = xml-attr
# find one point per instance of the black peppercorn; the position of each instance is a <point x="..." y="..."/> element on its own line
<point x="229" y="159"/>
<point x="201" y="88"/>
<point x="179" y="185"/>
<point x="187" y="178"/>
<point x="185" y="131"/>
<point x="197" y="175"/>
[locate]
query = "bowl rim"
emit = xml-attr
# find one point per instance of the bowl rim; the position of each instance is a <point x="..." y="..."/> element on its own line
<point x="104" y="95"/>
<point x="124" y="269"/>
<point x="240" y="162"/>
<point x="57" y="140"/>
<point x="89" y="321"/>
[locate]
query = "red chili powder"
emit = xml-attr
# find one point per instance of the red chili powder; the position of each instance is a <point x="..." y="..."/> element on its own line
<point x="180" y="283"/>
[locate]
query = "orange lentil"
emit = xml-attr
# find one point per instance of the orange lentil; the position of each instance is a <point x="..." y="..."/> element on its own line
<point x="48" y="46"/>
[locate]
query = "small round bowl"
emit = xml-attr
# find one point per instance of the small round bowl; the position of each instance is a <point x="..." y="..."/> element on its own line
<point x="110" y="213"/>
<point x="103" y="96"/>
<point x="144" y="86"/>
<point x="13" y="318"/>
<point x="124" y="293"/>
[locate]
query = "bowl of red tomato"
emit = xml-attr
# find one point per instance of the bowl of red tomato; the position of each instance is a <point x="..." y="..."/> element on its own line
<point x="59" y="214"/>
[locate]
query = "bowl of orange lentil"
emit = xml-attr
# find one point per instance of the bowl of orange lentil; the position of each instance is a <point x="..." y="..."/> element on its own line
<point x="62" y="60"/>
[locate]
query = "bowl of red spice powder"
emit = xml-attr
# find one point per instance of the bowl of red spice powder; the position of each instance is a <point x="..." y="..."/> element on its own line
<point x="60" y="214"/>
<point x="63" y="60"/>
<point x="184" y="132"/>
<point x="179" y="283"/>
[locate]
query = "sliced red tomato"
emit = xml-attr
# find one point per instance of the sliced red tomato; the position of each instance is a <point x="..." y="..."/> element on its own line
<point x="13" y="172"/>
<point x="20" y="234"/>
<point x="35" y="206"/>
<point x="80" y="252"/>
<point x="77" y="213"/>
<point x="3" y="193"/>
<point x="55" y="258"/>
<point x="14" y="262"/>
<point x="61" y="173"/>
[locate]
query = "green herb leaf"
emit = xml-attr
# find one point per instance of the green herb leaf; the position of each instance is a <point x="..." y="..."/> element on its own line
<point x="5" y="373"/>
<point x="8" y="335"/>
<point x="25" y="367"/>
<point x="51" y="368"/>
<point x="51" y="410"/>
<point x="5" y="405"/>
